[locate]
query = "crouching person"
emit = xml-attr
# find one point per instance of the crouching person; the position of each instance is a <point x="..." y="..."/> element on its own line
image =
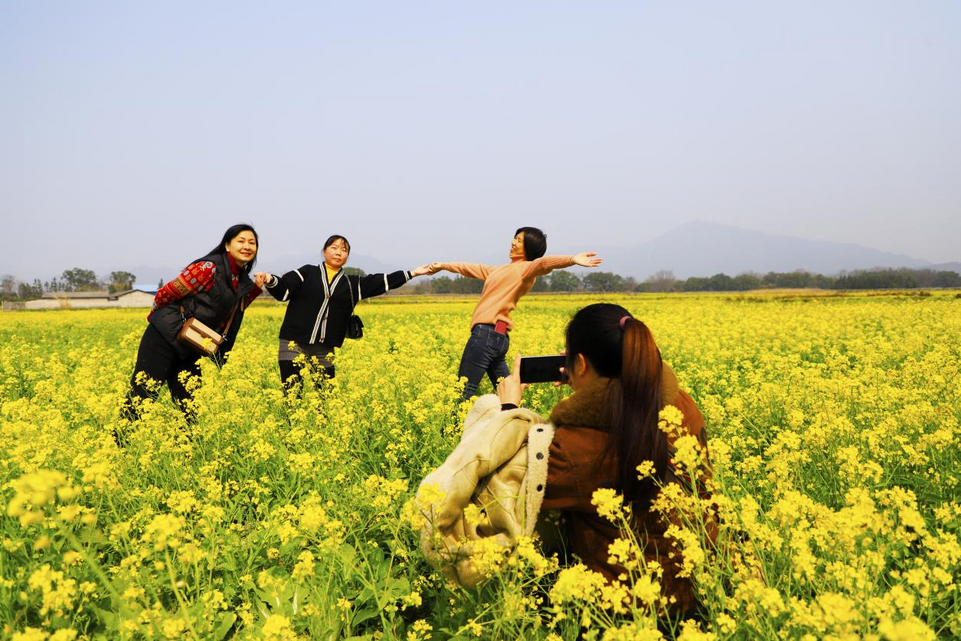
<point x="613" y="466"/>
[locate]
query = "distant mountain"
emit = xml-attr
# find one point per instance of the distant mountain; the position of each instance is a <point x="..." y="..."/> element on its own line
<point x="696" y="248"/>
<point x="702" y="248"/>
<point x="946" y="267"/>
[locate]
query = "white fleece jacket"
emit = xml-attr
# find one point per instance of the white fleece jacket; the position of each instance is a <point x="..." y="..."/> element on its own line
<point x="500" y="465"/>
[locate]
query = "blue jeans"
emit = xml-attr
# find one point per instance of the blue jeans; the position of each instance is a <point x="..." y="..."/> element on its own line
<point x="484" y="353"/>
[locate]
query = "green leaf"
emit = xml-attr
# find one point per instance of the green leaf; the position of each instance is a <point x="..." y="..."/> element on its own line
<point x="397" y="587"/>
<point x="109" y="618"/>
<point x="363" y="615"/>
<point x="226" y="623"/>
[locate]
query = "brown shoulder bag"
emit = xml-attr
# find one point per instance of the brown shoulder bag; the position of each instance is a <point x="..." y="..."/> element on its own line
<point x="201" y="338"/>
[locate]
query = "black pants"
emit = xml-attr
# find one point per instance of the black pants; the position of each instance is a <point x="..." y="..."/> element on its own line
<point x="483" y="354"/>
<point x="161" y="363"/>
<point x="290" y="373"/>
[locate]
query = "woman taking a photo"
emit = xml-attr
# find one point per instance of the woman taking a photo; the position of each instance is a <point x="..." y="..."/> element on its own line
<point x="504" y="285"/>
<point x="215" y="290"/>
<point x="321" y="302"/>
<point x="605" y="430"/>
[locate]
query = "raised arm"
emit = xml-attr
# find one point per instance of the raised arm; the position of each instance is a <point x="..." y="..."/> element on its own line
<point x="546" y="264"/>
<point x="284" y="287"/>
<point x="471" y="270"/>
<point x="376" y="284"/>
<point x="252" y="296"/>
<point x="587" y="259"/>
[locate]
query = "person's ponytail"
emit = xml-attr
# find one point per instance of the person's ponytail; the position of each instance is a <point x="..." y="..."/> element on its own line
<point x="621" y="348"/>
<point x="636" y="413"/>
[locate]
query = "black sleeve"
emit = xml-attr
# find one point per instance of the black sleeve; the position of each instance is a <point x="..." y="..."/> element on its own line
<point x="287" y="286"/>
<point x="377" y="284"/>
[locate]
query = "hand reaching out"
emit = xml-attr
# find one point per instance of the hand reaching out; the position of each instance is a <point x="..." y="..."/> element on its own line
<point x="262" y="277"/>
<point x="586" y="259"/>
<point x="423" y="270"/>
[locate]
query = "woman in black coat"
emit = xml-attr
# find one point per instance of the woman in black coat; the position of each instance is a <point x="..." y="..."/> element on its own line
<point x="215" y="289"/>
<point x="321" y="299"/>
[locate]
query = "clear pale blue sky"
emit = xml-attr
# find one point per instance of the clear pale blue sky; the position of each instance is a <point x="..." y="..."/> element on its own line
<point x="133" y="133"/>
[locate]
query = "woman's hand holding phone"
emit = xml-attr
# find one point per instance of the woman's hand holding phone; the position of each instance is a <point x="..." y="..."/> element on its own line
<point x="510" y="389"/>
<point x="542" y="369"/>
<point x="563" y="380"/>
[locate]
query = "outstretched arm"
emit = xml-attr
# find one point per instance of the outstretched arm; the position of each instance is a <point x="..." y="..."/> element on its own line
<point x="376" y="284"/>
<point x="546" y="264"/>
<point x="586" y="259"/>
<point x="281" y="287"/>
<point x="253" y="293"/>
<point x="471" y="270"/>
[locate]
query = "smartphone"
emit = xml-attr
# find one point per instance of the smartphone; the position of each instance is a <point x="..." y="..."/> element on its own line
<point x="542" y="369"/>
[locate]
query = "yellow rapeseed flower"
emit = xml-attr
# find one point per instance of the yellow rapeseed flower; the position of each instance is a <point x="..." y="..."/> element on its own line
<point x="609" y="504"/>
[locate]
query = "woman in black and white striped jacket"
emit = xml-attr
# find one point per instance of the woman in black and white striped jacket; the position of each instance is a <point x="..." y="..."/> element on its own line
<point x="320" y="302"/>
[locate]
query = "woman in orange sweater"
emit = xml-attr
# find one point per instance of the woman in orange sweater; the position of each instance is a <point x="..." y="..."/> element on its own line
<point x="503" y="287"/>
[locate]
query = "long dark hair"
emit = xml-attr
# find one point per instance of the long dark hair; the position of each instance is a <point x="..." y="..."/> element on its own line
<point x="229" y="235"/>
<point x="625" y="351"/>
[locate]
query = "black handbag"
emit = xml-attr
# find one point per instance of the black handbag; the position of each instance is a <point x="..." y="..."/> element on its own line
<point x="355" y="326"/>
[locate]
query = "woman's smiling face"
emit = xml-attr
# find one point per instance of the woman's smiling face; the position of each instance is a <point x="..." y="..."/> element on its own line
<point x="517" y="246"/>
<point x="242" y="247"/>
<point x="336" y="253"/>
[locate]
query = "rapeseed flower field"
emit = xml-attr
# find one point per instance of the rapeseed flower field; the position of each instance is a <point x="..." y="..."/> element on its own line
<point x="833" y="432"/>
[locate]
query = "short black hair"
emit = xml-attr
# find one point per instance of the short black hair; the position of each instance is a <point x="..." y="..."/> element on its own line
<point x="535" y="242"/>
<point x="333" y="239"/>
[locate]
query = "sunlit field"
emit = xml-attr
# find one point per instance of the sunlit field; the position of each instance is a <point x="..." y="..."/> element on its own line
<point x="833" y="433"/>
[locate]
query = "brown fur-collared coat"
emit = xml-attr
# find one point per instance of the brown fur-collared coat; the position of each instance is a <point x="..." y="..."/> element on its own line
<point x="582" y="423"/>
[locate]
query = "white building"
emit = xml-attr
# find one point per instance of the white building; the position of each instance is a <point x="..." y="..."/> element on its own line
<point x="88" y="300"/>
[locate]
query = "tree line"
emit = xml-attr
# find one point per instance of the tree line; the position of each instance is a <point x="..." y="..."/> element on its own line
<point x="665" y="281"/>
<point x="72" y="280"/>
<point x="80" y="280"/>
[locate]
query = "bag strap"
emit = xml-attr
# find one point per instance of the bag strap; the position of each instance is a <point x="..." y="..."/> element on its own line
<point x="237" y="303"/>
<point x="231" y="319"/>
